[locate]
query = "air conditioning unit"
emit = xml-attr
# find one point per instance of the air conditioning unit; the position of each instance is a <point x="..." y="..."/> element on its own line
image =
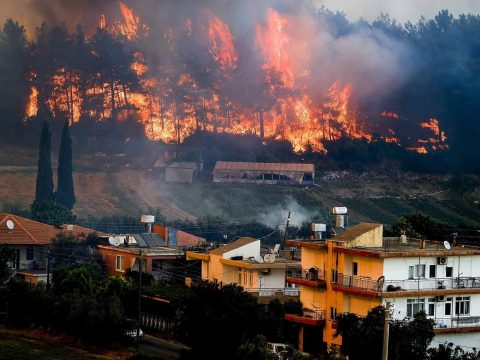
<point x="442" y="260"/>
<point x="440" y="298"/>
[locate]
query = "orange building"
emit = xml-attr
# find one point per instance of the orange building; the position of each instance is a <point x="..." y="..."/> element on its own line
<point x="359" y="269"/>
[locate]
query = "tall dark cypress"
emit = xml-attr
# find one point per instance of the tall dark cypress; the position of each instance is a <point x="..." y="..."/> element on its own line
<point x="44" y="187"/>
<point x="65" y="192"/>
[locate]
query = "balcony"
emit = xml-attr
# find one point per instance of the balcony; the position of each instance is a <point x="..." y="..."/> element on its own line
<point x="439" y="285"/>
<point x="309" y="317"/>
<point x="357" y="285"/>
<point x="273" y="291"/>
<point x="312" y="277"/>
<point x="457" y="324"/>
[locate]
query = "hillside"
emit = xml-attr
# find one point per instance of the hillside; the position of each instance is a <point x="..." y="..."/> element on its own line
<point x="369" y="197"/>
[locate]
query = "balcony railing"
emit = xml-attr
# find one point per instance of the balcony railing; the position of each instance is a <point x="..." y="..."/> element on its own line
<point x="274" y="291"/>
<point x="312" y="277"/>
<point x="358" y="282"/>
<point x="457" y="322"/>
<point x="309" y="317"/>
<point x="432" y="284"/>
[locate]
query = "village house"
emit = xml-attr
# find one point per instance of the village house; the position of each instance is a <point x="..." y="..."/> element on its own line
<point x="31" y="240"/>
<point x="242" y="262"/>
<point x="161" y="252"/>
<point x="359" y="269"/>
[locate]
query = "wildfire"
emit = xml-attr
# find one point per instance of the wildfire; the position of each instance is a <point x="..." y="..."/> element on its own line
<point x="176" y="104"/>
<point x="221" y="43"/>
<point x="274" y="42"/>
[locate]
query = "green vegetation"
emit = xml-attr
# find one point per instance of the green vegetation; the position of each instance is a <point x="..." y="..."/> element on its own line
<point x="65" y="194"/>
<point x="44" y="186"/>
<point x="408" y="339"/>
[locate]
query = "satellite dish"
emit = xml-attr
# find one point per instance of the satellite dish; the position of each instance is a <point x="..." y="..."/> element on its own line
<point x="115" y="241"/>
<point x="447" y="245"/>
<point x="10" y="225"/>
<point x="276" y="248"/>
<point x="269" y="258"/>
<point x="258" y="259"/>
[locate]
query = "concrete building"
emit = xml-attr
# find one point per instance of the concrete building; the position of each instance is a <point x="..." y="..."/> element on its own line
<point x="264" y="173"/>
<point x="359" y="269"/>
<point x="241" y="262"/>
<point x="31" y="239"/>
<point x="162" y="253"/>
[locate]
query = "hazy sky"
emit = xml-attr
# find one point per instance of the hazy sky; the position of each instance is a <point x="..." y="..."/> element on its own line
<point x="402" y="10"/>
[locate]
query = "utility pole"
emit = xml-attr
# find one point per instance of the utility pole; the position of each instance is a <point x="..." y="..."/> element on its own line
<point x="386" y="331"/>
<point x="139" y="296"/>
<point x="285" y="249"/>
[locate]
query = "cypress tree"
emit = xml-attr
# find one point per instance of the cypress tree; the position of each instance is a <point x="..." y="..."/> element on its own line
<point x="65" y="192"/>
<point x="44" y="186"/>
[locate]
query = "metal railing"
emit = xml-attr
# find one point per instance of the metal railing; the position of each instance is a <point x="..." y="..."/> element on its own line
<point x="359" y="282"/>
<point x="288" y="291"/>
<point x="454" y="322"/>
<point x="431" y="284"/>
<point x="314" y="314"/>
<point x="312" y="274"/>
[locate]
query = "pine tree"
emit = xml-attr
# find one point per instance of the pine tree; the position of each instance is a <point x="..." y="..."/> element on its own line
<point x="44" y="186"/>
<point x="65" y="192"/>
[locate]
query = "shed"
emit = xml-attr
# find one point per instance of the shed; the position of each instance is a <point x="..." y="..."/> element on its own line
<point x="269" y="173"/>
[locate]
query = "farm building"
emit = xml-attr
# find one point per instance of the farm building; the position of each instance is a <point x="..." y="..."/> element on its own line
<point x="180" y="172"/>
<point x="264" y="173"/>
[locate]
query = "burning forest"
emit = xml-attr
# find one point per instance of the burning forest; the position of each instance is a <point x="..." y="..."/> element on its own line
<point x="303" y="74"/>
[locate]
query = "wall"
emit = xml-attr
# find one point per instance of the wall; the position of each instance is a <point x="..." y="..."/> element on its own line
<point x="249" y="250"/>
<point x="372" y="238"/>
<point x="468" y="340"/>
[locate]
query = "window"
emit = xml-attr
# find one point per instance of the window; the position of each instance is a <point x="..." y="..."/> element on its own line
<point x="334" y="276"/>
<point x="239" y="276"/>
<point x="250" y="279"/>
<point x="433" y="271"/>
<point x="448" y="309"/>
<point x="119" y="262"/>
<point x="417" y="271"/>
<point x="462" y="305"/>
<point x="448" y="271"/>
<point x="431" y="307"/>
<point x="30" y="253"/>
<point x="414" y="306"/>
<point x="354" y="268"/>
<point x="333" y="313"/>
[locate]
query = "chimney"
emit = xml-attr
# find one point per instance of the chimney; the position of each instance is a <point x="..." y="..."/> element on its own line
<point x="147" y="220"/>
<point x="339" y="212"/>
<point x="403" y="238"/>
<point x="422" y="243"/>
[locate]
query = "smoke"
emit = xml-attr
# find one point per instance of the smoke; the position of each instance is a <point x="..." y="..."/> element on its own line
<point x="276" y="216"/>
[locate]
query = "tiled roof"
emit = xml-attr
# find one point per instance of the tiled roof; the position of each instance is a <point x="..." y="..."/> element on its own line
<point x="355" y="231"/>
<point x="233" y="245"/>
<point x="30" y="232"/>
<point x="258" y="166"/>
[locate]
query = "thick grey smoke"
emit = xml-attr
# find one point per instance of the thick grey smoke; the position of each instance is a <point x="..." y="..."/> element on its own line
<point x="276" y="216"/>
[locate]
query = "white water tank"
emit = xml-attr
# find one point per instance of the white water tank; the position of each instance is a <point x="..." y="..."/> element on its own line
<point x="319" y="227"/>
<point x="148" y="220"/>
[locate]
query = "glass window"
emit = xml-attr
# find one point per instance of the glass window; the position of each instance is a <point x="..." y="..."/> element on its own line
<point x="250" y="278"/>
<point x="448" y="308"/>
<point x="334" y="276"/>
<point x="449" y="271"/>
<point x="433" y="271"/>
<point x="462" y="305"/>
<point x="30" y="253"/>
<point x="354" y="268"/>
<point x="118" y="263"/>
<point x="239" y="277"/>
<point x="333" y="313"/>
<point x="414" y="306"/>
<point x="416" y="271"/>
<point x="431" y="307"/>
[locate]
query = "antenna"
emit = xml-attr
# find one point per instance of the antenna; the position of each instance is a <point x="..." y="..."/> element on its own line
<point x="447" y="245"/>
<point x="258" y="259"/>
<point x="10" y="225"/>
<point x="269" y="258"/>
<point x="115" y="241"/>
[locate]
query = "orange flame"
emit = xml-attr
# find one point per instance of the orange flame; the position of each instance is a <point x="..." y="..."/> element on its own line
<point x="221" y="43"/>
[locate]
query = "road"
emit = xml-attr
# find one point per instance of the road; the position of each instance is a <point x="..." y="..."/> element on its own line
<point x="161" y="348"/>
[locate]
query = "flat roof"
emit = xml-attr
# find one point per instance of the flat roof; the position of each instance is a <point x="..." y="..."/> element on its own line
<point x="259" y="166"/>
